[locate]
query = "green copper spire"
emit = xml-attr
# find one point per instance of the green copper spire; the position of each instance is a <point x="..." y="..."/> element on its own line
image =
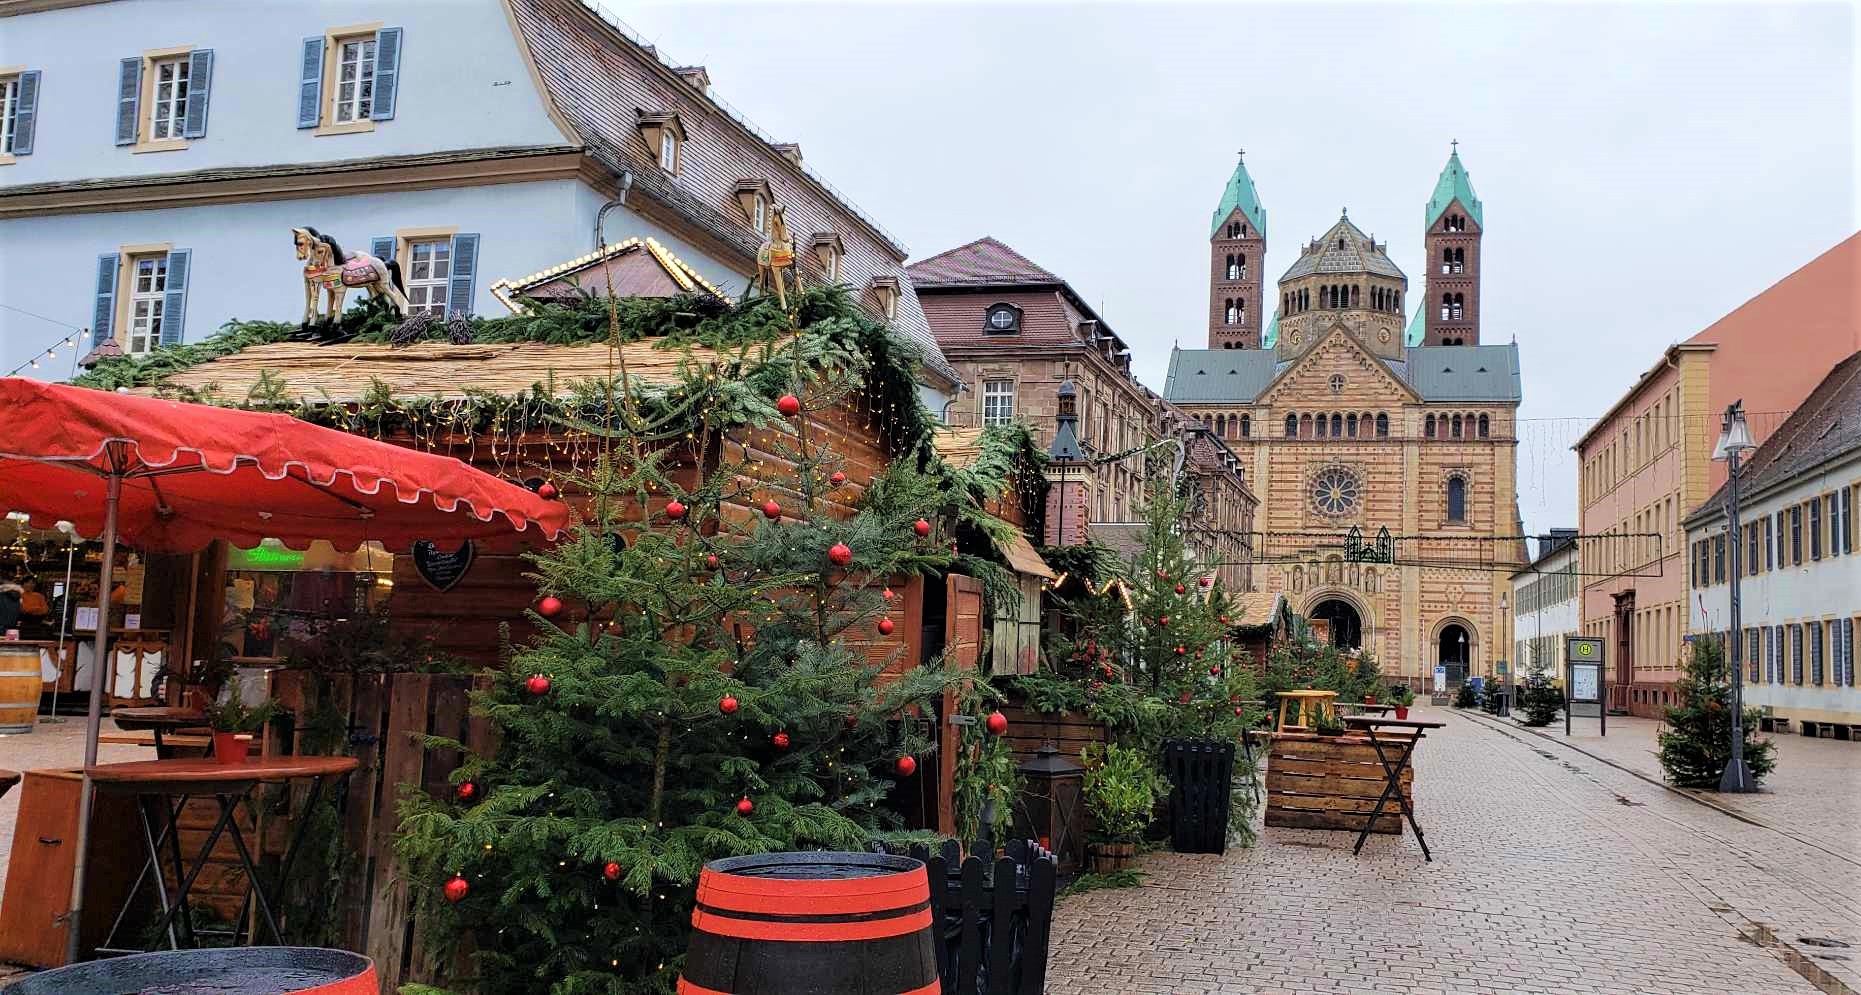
<point x="1454" y="184"/>
<point x="1418" y="327"/>
<point x="1271" y="338"/>
<point x="1240" y="193"/>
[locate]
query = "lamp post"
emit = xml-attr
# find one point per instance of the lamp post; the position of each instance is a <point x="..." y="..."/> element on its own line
<point x="1734" y="440"/>
<point x="1505" y="703"/>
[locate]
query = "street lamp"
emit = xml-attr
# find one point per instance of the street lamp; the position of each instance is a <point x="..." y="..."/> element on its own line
<point x="1735" y="440"/>
<point x="1505" y="703"/>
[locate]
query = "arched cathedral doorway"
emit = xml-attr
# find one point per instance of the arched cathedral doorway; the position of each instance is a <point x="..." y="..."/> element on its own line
<point x="1454" y="649"/>
<point x="1345" y="622"/>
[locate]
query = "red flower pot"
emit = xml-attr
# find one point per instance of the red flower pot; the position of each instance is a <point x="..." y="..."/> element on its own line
<point x="1402" y="711"/>
<point x="231" y="747"/>
<point x="1369" y="699"/>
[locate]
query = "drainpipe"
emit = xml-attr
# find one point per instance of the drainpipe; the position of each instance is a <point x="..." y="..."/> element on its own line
<point x="600" y="218"/>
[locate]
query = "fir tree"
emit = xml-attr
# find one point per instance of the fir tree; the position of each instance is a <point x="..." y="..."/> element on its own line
<point x="705" y="684"/>
<point x="1539" y="699"/>
<point x="1697" y="741"/>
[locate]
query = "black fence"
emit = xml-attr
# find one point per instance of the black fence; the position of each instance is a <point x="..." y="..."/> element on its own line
<point x="994" y="916"/>
<point x="1201" y="773"/>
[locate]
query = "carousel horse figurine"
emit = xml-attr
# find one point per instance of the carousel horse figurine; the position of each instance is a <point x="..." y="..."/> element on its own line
<point x="329" y="268"/>
<point x="777" y="254"/>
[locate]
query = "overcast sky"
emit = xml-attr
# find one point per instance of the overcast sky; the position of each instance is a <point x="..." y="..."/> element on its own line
<point x="1644" y="168"/>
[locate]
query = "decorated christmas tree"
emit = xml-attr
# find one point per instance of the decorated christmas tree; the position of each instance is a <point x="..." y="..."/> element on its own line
<point x="716" y="674"/>
<point x="1696" y="743"/>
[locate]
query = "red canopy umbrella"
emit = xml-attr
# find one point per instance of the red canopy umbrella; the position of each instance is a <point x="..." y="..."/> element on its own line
<point x="165" y="476"/>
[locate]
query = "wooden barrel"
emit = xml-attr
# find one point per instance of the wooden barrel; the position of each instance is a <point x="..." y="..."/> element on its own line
<point x="222" y="971"/>
<point x="812" y="924"/>
<point x="20" y="685"/>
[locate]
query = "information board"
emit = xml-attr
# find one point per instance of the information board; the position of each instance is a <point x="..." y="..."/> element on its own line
<point x="1583" y="681"/>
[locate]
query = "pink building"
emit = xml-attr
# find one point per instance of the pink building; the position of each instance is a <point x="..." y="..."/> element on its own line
<point x="1647" y="464"/>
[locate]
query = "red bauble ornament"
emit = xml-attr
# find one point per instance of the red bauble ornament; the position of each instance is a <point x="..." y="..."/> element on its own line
<point x="1179" y="589"/>
<point x="457" y="889"/>
<point x="711" y="561"/>
<point x="1202" y="583"/>
<point x="837" y="479"/>
<point x="789" y="405"/>
<point x="611" y="871"/>
<point x="1237" y="711"/>
<point x="1097" y="685"/>
<point x="675" y="509"/>
<point x="1180" y="651"/>
<point x="921" y="527"/>
<point x="466" y="790"/>
<point x="1224" y="620"/>
<point x="745" y="806"/>
<point x="840" y="554"/>
<point x="1214" y="671"/>
<point x="1106" y="669"/>
<point x="889" y="595"/>
<point x="538" y="685"/>
<point x="852" y="719"/>
<point x="549" y="607"/>
<point x="771" y="510"/>
<point x="886" y="626"/>
<point x="1164" y="621"/>
<point x="547" y="490"/>
<point x="780" y="740"/>
<point x="1183" y="698"/>
<point x="998" y="723"/>
<point x="728" y="705"/>
<point x="907" y="765"/>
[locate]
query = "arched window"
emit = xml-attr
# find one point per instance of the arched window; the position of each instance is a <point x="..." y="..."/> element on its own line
<point x="1305" y="299"/>
<point x="1234" y="268"/>
<point x="1382" y="426"/>
<point x="1232" y="314"/>
<point x="1484" y="426"/>
<point x="1447" y="260"/>
<point x="1221" y="425"/>
<point x="1459" y="300"/>
<point x="1323" y="424"/>
<point x="1428" y="427"/>
<point x="1447" y="304"/>
<point x="1305" y="426"/>
<point x="1350" y="426"/>
<point x="1356" y="295"/>
<point x="1337" y="425"/>
<point x="1457" y="426"/>
<point x="1247" y="427"/>
<point x="1398" y="307"/>
<point x="1292" y="426"/>
<point x="1456" y="499"/>
<point x="1460" y="260"/>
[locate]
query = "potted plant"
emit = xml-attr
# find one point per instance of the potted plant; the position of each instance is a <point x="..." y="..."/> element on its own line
<point x="1402" y="696"/>
<point x="1369" y="698"/>
<point x="1121" y="791"/>
<point x="233" y="725"/>
<point x="1327" y="723"/>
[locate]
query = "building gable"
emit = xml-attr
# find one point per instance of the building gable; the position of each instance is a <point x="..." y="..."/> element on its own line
<point x="1308" y="379"/>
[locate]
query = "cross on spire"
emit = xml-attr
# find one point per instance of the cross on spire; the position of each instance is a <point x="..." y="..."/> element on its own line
<point x="1456" y="145"/>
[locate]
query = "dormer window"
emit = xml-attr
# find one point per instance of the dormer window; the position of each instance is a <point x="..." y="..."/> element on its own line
<point x="1002" y="319"/>
<point x="663" y="134"/>
<point x="828" y="251"/>
<point x="754" y="198"/>
<point x="885" y="291"/>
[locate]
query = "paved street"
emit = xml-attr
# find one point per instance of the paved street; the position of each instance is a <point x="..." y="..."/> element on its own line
<point x="52" y="744"/>
<point x="1554" y="872"/>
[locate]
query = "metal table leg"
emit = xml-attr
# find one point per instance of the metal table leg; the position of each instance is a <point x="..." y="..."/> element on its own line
<point x="200" y="862"/>
<point x="1393" y="787"/>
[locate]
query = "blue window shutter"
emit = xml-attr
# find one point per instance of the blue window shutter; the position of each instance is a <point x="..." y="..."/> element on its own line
<point x="27" y="113"/>
<point x="128" y="99"/>
<point x="387" y="73"/>
<point x="382" y="247"/>
<point x="174" y="301"/>
<point x="104" y="317"/>
<point x="199" y="88"/>
<point x="310" y="84"/>
<point x="464" y="269"/>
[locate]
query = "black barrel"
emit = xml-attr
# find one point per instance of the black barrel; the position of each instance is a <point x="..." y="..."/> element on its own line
<point x="232" y="971"/>
<point x="812" y="924"/>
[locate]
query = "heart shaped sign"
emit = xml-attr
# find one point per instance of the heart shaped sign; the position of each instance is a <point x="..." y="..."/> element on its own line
<point x="441" y="569"/>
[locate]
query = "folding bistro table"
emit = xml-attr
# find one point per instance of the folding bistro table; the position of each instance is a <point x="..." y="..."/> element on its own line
<point x="159" y="719"/>
<point x="162" y="788"/>
<point x="1392" y="772"/>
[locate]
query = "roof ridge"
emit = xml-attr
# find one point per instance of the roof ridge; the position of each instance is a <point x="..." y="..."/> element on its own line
<point x="955" y="248"/>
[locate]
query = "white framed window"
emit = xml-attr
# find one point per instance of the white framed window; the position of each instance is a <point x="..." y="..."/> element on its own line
<point x="668" y="150"/>
<point x="168" y="100"/>
<point x="148" y="284"/>
<point x="759" y="213"/>
<point x="998" y="402"/>
<point x="429" y="274"/>
<point x="353" y="97"/>
<point x="9" y="112"/>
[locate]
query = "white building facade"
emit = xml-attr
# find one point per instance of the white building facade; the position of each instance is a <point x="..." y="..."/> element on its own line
<point x="1547" y="605"/>
<point x="155" y="155"/>
<point x="1800" y="593"/>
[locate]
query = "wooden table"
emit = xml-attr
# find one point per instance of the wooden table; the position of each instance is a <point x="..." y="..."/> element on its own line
<point x="163" y="787"/>
<point x="1393" y="772"/>
<point x="159" y="719"/>
<point x="1307" y="703"/>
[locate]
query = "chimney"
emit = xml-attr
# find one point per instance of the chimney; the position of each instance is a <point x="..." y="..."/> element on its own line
<point x="788" y="150"/>
<point x="697" y="76"/>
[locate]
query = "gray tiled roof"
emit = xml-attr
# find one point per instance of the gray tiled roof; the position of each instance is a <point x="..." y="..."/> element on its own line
<point x="1357" y="255"/>
<point x="1437" y="373"/>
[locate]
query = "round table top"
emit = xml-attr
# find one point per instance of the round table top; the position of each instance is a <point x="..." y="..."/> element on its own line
<point x="1307" y="693"/>
<point x="158" y="717"/>
<point x="197" y="771"/>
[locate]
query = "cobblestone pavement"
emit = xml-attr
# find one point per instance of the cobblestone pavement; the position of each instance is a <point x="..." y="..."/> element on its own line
<point x="1553" y="873"/>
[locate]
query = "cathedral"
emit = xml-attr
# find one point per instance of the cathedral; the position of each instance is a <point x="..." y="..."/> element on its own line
<point x="1382" y="450"/>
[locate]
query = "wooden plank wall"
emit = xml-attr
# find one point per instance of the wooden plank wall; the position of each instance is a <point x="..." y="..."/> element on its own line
<point x="1330" y="782"/>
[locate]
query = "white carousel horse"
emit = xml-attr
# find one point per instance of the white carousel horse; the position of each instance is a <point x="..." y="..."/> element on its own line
<point x="328" y="267"/>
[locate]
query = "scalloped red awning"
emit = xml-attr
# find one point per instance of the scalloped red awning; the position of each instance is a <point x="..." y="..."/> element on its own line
<point x="193" y="473"/>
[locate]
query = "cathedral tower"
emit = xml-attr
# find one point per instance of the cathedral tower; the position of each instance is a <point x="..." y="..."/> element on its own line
<point x="1237" y="248"/>
<point x="1342" y="277"/>
<point x="1452" y="240"/>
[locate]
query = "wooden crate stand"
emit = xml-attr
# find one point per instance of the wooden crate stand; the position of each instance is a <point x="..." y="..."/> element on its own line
<point x="1331" y="782"/>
